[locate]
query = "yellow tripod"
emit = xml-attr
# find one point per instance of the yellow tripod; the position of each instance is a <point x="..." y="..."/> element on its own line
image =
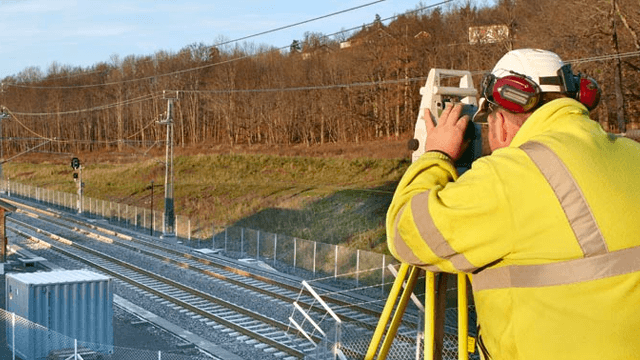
<point x="433" y="314"/>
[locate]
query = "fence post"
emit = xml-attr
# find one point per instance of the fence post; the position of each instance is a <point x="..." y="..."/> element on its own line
<point x="295" y="250"/>
<point x="315" y="245"/>
<point x="258" y="246"/>
<point x="275" y="247"/>
<point x="382" y="282"/>
<point x="337" y="340"/>
<point x="241" y="241"/>
<point x="335" y="262"/>
<point x="358" y="268"/>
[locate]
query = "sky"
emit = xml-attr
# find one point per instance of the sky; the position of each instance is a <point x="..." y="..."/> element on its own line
<point x="83" y="33"/>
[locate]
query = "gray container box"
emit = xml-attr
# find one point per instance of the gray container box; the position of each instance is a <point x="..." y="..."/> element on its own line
<point x="69" y="305"/>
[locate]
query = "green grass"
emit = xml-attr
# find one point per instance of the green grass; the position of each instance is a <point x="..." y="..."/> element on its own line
<point x="333" y="200"/>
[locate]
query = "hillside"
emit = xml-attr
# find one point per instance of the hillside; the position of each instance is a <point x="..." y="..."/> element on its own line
<point x="333" y="194"/>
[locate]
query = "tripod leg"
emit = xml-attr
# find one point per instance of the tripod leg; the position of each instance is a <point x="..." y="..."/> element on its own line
<point x="429" y="312"/>
<point x="463" y="318"/>
<point x="386" y="312"/>
<point x="397" y="317"/>
<point x="440" y="306"/>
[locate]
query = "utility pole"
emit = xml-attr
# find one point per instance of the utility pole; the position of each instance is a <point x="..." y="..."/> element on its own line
<point x="169" y="213"/>
<point x="151" y="226"/>
<point x="3" y="115"/>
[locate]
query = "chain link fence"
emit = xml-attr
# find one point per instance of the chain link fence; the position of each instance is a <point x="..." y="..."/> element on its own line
<point x="306" y="258"/>
<point x="352" y="271"/>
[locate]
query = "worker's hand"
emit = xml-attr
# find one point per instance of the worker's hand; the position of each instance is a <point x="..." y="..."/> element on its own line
<point x="448" y="135"/>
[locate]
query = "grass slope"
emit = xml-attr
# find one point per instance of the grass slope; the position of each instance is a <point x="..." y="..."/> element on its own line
<point x="328" y="199"/>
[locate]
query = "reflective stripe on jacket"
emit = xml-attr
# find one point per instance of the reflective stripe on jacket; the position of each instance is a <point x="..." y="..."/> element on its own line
<point x="550" y="229"/>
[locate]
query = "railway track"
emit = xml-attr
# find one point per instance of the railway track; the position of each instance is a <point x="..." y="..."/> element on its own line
<point x="218" y="312"/>
<point x="220" y="270"/>
<point x="215" y="312"/>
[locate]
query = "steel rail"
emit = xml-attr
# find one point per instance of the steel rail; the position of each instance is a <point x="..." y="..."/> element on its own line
<point x="338" y="302"/>
<point x="276" y="324"/>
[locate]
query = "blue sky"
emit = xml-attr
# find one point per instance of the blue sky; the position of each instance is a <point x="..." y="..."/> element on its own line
<point x="37" y="33"/>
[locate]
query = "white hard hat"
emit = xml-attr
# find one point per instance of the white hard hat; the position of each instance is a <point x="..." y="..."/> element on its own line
<point x="541" y="66"/>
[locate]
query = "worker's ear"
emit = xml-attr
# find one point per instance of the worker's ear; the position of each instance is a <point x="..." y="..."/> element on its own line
<point x="499" y="130"/>
<point x="505" y="129"/>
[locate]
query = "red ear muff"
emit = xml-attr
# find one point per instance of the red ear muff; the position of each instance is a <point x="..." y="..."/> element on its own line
<point x="520" y="94"/>
<point x="515" y="93"/>
<point x="589" y="92"/>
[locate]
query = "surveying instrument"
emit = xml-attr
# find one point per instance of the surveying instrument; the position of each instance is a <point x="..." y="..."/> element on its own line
<point x="435" y="95"/>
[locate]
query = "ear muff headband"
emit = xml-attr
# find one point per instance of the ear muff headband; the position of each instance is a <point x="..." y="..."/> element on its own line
<point x="519" y="94"/>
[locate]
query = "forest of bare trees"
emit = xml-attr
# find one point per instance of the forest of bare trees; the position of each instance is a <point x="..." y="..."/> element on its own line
<point x="352" y="87"/>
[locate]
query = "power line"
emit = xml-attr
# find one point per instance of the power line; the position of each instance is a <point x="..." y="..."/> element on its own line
<point x="213" y="46"/>
<point x="153" y="77"/>
<point x="304" y="88"/>
<point x="388" y="82"/>
<point x="298" y="23"/>
<point x="137" y="100"/>
<point x="308" y="88"/>
<point x="605" y="57"/>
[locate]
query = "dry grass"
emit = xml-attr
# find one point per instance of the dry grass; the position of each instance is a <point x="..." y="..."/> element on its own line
<point x="333" y="193"/>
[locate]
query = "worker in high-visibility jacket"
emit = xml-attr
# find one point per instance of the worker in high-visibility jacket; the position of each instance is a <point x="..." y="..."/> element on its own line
<point x="548" y="224"/>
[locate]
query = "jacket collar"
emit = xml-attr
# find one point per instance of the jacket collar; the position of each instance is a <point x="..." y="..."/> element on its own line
<point x="555" y="115"/>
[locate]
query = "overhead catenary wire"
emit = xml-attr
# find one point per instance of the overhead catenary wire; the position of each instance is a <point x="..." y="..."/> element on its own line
<point x="179" y="72"/>
<point x="388" y="82"/>
<point x="143" y="98"/>
<point x="299" y="23"/>
<point x="309" y="88"/>
<point x="216" y="45"/>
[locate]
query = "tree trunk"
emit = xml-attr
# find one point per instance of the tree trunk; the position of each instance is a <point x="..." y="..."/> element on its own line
<point x="622" y="126"/>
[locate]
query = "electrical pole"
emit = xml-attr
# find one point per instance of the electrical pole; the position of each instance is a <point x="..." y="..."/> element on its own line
<point x="169" y="213"/>
<point x="3" y="116"/>
<point x="151" y="226"/>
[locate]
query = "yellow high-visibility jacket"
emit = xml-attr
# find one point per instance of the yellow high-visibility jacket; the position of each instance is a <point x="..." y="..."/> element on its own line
<point x="548" y="228"/>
